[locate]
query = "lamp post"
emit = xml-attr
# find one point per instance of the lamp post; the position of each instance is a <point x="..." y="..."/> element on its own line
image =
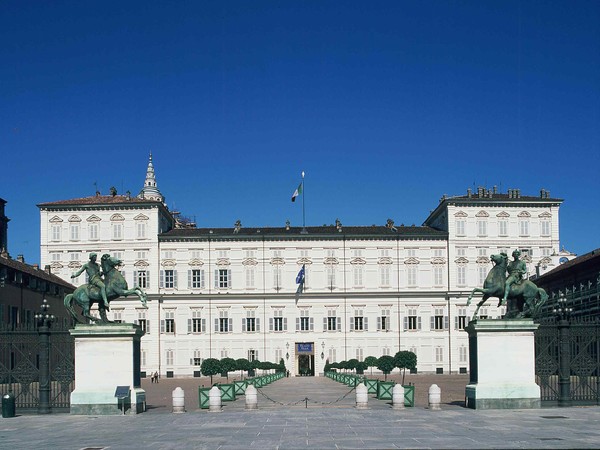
<point x="323" y="350"/>
<point x="563" y="313"/>
<point x="44" y="321"/>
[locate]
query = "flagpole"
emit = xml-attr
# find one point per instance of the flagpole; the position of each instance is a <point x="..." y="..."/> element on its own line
<point x="304" y="231"/>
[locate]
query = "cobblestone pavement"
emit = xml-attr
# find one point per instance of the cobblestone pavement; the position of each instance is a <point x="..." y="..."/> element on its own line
<point x="322" y="425"/>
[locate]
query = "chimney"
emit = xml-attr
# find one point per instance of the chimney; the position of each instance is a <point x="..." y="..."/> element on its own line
<point x="469" y="193"/>
<point x="495" y="190"/>
<point x="36" y="266"/>
<point x="21" y="258"/>
<point x="47" y="269"/>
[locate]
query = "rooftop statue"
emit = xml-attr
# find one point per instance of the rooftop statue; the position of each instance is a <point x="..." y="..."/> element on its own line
<point x="524" y="297"/>
<point x="114" y="285"/>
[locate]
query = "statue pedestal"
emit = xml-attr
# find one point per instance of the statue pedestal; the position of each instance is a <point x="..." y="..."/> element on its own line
<point x="502" y="363"/>
<point x="107" y="356"/>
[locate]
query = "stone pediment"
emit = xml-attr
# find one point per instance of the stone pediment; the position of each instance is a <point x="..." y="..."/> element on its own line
<point x="482" y="214"/>
<point x="546" y="260"/>
<point x="168" y="263"/>
<point x="250" y="262"/>
<point x="545" y="215"/>
<point x="483" y="260"/>
<point x="140" y="263"/>
<point x="330" y="261"/>
<point x="56" y="219"/>
<point x="93" y="218"/>
<point x="117" y="218"/>
<point x="74" y="265"/>
<point x="277" y="261"/>
<point x="74" y="218"/>
<point x="461" y="260"/>
<point x="438" y="260"/>
<point x="411" y="260"/>
<point x="524" y="214"/>
<point x="461" y="214"/>
<point x="222" y="262"/>
<point x="358" y="261"/>
<point x="503" y="214"/>
<point x="302" y="261"/>
<point x="56" y="265"/>
<point x="141" y="217"/>
<point x="195" y="262"/>
<point x="526" y="258"/>
<point x="386" y="260"/>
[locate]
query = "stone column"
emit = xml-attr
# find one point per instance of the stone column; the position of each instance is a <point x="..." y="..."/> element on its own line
<point x="435" y="397"/>
<point x="251" y="397"/>
<point x="398" y="397"/>
<point x="362" y="396"/>
<point x="178" y="400"/>
<point x="214" y="399"/>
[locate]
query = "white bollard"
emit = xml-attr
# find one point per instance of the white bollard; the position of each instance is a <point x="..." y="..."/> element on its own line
<point x="362" y="396"/>
<point x="178" y="400"/>
<point x="435" y="397"/>
<point x="251" y="397"/>
<point x="398" y="397"/>
<point x="214" y="399"/>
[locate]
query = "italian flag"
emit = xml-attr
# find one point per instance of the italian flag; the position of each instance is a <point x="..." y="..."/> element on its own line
<point x="297" y="192"/>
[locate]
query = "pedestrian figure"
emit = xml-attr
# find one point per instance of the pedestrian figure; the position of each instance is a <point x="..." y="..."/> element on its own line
<point x="156" y="377"/>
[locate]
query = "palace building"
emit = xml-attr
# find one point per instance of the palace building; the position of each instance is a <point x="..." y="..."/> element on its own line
<point x="368" y="290"/>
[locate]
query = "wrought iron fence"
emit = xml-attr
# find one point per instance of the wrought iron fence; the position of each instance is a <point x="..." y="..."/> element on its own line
<point x="20" y="365"/>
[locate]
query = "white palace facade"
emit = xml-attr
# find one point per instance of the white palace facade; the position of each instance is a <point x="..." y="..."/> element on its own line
<point x="369" y="290"/>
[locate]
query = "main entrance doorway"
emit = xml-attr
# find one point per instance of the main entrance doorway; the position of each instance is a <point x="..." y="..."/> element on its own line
<point x="305" y="359"/>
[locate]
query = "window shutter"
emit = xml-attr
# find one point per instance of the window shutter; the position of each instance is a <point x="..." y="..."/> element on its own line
<point x="324" y="323"/>
<point x="432" y="323"/>
<point x="216" y="325"/>
<point x="351" y="327"/>
<point x="258" y="324"/>
<point x="162" y="325"/>
<point x="203" y="330"/>
<point x="418" y="323"/>
<point x="243" y="325"/>
<point x="339" y="324"/>
<point x="312" y="324"/>
<point x="229" y="278"/>
<point x="285" y="324"/>
<point x="230" y="328"/>
<point x="446" y="322"/>
<point x="147" y="278"/>
<point x="378" y="323"/>
<point x="365" y="324"/>
<point x="297" y="323"/>
<point x="174" y="279"/>
<point x="135" y="279"/>
<point x="162" y="279"/>
<point x="189" y="326"/>
<point x="191" y="361"/>
<point x="456" y="323"/>
<point x="202" y="279"/>
<point x="189" y="279"/>
<point x="216" y="278"/>
<point x="467" y="320"/>
<point x="135" y="322"/>
<point x="270" y="324"/>
<point x="147" y="326"/>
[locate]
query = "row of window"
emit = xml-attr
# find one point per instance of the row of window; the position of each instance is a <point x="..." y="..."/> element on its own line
<point x="93" y="231"/>
<point x="482" y="228"/>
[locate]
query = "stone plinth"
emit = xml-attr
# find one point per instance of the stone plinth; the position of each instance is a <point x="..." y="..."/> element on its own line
<point x="502" y="364"/>
<point x="107" y="356"/>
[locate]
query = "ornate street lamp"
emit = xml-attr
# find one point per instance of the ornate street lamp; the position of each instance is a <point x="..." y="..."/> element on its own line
<point x="563" y="314"/>
<point x="287" y="353"/>
<point x="323" y="350"/>
<point x="44" y="321"/>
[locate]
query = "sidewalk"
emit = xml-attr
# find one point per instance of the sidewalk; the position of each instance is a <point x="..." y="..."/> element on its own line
<point x="321" y="425"/>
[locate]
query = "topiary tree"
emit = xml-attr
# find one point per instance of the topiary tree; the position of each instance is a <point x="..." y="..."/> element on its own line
<point x="210" y="367"/>
<point x="371" y="362"/>
<point x="405" y="360"/>
<point x="228" y="365"/>
<point x="281" y="366"/>
<point x="255" y="364"/>
<point x="352" y="364"/>
<point x="361" y="367"/>
<point x="243" y="365"/>
<point x="386" y="364"/>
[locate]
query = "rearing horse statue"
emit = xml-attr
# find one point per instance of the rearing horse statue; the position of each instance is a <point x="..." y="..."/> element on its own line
<point x="524" y="298"/>
<point x="116" y="286"/>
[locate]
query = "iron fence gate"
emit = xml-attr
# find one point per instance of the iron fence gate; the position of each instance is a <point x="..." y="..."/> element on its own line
<point x="20" y="364"/>
<point x="579" y="355"/>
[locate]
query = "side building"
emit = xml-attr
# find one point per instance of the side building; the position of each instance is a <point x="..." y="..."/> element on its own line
<point x="368" y="291"/>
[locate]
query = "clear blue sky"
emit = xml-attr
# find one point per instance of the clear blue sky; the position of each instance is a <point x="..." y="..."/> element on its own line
<point x="387" y="105"/>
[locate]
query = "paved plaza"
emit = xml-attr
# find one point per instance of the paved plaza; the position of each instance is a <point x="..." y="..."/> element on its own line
<point x="285" y="420"/>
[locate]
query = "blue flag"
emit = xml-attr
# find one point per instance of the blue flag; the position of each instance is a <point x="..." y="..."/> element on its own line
<point x="300" y="277"/>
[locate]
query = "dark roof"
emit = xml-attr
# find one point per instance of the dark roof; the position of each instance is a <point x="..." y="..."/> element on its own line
<point x="99" y="200"/>
<point x="30" y="270"/>
<point x="330" y="232"/>
<point x="592" y="257"/>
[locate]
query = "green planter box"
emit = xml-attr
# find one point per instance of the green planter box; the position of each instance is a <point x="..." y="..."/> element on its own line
<point x="352" y="381"/>
<point x="258" y="382"/>
<point x="384" y="390"/>
<point x="371" y="386"/>
<point x="203" y="397"/>
<point x="409" y="395"/>
<point x="227" y="392"/>
<point x="240" y="387"/>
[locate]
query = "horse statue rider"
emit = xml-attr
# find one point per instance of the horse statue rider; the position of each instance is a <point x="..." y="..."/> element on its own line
<point x="516" y="269"/>
<point x="100" y="291"/>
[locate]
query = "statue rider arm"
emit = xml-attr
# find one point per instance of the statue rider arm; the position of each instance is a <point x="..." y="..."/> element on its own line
<point x="79" y="272"/>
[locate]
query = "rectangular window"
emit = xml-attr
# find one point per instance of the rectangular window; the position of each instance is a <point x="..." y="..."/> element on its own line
<point x="141" y="254"/>
<point x="169" y="278"/>
<point x="169" y="322"/>
<point x="331" y="355"/>
<point x="330" y="274"/>
<point x="252" y="355"/>
<point x="383" y="321"/>
<point x="55" y="256"/>
<point x="523" y="228"/>
<point x="483" y="313"/>
<point x="483" y="272"/>
<point x="359" y="321"/>
<point x="411" y="275"/>
<point x="195" y="254"/>
<point x="546" y="251"/>
<point x="439" y="354"/>
<point x="304" y="322"/>
<point x="278" y="322"/>
<point x="461" y="321"/>
<point x="277" y="277"/>
<point x="503" y="228"/>
<point x="250" y="276"/>
<point x="461" y="278"/>
<point x="170" y="357"/>
<point x="359" y="354"/>
<point x="93" y="231"/>
<point x="74" y="231"/>
<point x="384" y="272"/>
<point x="197" y="359"/>
<point x="482" y="228"/>
<point x="411" y="252"/>
<point x="461" y="251"/>
<point x="196" y="279"/>
<point x="438" y="320"/>
<point x="167" y="254"/>
<point x="196" y="324"/>
<point x="55" y="229"/>
<point x="117" y="231"/>
<point x="358" y="275"/>
<point x="460" y="227"/>
<point x="438" y="275"/>
<point x="331" y="322"/>
<point x="223" y="324"/>
<point x="250" y="323"/>
<point x="141" y="230"/>
<point x="143" y="322"/>
<point x="462" y="353"/>
<point x="141" y="279"/>
<point x="545" y="228"/>
<point x="118" y="316"/>
<point x="222" y="278"/>
<point x="438" y="252"/>
<point x="412" y="321"/>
